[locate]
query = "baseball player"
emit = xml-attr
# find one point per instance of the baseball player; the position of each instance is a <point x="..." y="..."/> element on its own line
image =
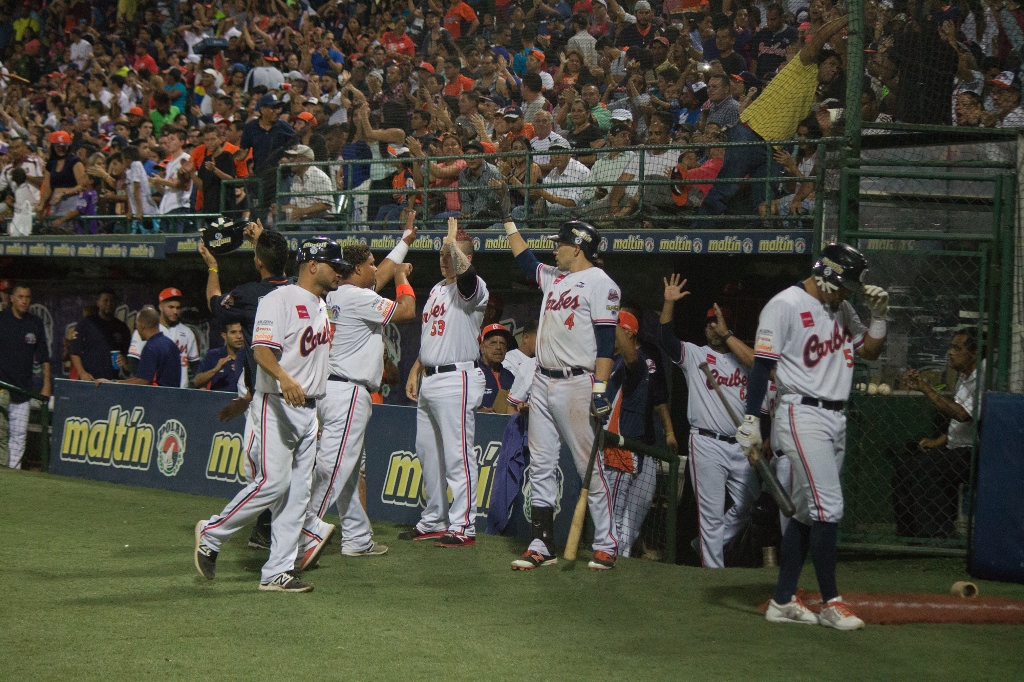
<point x="291" y="342"/>
<point x="448" y="395"/>
<point x="809" y="334"/>
<point x="358" y="316"/>
<point x="169" y="304"/>
<point x="717" y="464"/>
<point x="239" y="305"/>
<point x="575" y="344"/>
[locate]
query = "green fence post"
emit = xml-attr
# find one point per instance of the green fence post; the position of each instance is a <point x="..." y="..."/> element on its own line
<point x="1008" y="192"/>
<point x="850" y="187"/>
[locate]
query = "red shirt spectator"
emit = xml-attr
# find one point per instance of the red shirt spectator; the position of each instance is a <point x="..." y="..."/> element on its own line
<point x="458" y="13"/>
<point x="145" y="62"/>
<point x="402" y="44"/>
<point x="458" y="86"/>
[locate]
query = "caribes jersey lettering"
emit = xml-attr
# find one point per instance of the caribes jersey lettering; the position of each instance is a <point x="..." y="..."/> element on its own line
<point x="816" y="349"/>
<point x="574" y="303"/>
<point x="704" y="407"/>
<point x="451" y="323"/>
<point x="310" y="339"/>
<point x="294" y="324"/>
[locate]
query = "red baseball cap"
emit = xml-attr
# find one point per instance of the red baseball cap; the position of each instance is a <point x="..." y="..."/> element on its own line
<point x="497" y="329"/>
<point x="427" y="66"/>
<point x="59" y="137"/>
<point x="136" y="111"/>
<point x="169" y="293"/>
<point x="538" y="55"/>
<point x="628" y="322"/>
<point x="6" y="285"/>
<point x="307" y="117"/>
<point x="726" y="313"/>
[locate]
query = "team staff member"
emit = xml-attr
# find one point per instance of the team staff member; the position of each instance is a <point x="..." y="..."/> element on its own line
<point x="160" y="363"/>
<point x="718" y="465"/>
<point x="494" y="342"/>
<point x="221" y="368"/>
<point x="23" y="340"/>
<point x="97" y="337"/>
<point x="631" y="388"/>
<point x="292" y="339"/>
<point x="270" y="253"/>
<point x="358" y="316"/>
<point x="575" y="344"/>
<point x="169" y="303"/>
<point x="448" y="395"/>
<point x="809" y="333"/>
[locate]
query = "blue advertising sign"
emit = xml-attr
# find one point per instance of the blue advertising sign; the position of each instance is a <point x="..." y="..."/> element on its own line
<point x="170" y="438"/>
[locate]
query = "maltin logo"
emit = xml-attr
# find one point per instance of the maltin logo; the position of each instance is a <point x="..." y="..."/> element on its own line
<point x="170" y="445"/>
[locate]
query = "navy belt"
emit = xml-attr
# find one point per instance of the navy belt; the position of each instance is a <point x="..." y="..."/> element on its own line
<point x="834" y="405"/>
<point x="717" y="436"/>
<point x="561" y="373"/>
<point x="310" y="402"/>
<point x="454" y="367"/>
<point x="335" y="377"/>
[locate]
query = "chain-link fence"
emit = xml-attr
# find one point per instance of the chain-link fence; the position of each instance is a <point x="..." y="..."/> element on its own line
<point x="935" y="221"/>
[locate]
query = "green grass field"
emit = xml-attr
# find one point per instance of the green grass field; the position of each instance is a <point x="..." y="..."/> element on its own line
<point x="98" y="583"/>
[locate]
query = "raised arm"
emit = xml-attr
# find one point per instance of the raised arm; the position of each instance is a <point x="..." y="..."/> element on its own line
<point x="388" y="267"/>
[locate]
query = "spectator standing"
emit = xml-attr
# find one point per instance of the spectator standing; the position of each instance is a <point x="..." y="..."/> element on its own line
<point x="65" y="177"/>
<point x="26" y="198"/>
<point x="221" y="368"/>
<point x="267" y="137"/>
<point x="217" y="165"/>
<point x="770" y="43"/>
<point x="177" y="179"/>
<point x="265" y="72"/>
<point x="929" y="483"/>
<point x="731" y="61"/>
<point x="23" y="339"/>
<point x="100" y="347"/>
<point x="163" y="112"/>
<point x="478" y="200"/>
<point x="140" y="194"/>
<point x="582" y="41"/>
<point x="18" y="156"/>
<point x="640" y="33"/>
<point x="460" y="20"/>
<point x="159" y="360"/>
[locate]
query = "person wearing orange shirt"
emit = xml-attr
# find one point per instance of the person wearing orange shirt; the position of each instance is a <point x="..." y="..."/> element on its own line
<point x="459" y="15"/>
<point x="456" y="83"/>
<point x="397" y="42"/>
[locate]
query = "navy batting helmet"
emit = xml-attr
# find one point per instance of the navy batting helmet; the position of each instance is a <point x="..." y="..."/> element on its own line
<point x="841" y="265"/>
<point x="581" y="234"/>
<point x="321" y="249"/>
<point x="224" y="235"/>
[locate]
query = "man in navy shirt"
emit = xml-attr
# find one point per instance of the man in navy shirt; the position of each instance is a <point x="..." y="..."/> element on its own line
<point x="494" y="343"/>
<point x="220" y="368"/>
<point x="23" y="340"/>
<point x="267" y="137"/>
<point x="96" y="337"/>
<point x="770" y="43"/>
<point x="160" y="363"/>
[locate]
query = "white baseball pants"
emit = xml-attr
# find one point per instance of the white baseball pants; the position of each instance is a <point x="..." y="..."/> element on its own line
<point x="280" y="454"/>
<point x="445" y="435"/>
<point x="783" y="469"/>
<point x="344" y="413"/>
<point x="716" y="468"/>
<point x="560" y="411"/>
<point x="632" y="495"/>
<point x="814" y="440"/>
<point x="17" y="432"/>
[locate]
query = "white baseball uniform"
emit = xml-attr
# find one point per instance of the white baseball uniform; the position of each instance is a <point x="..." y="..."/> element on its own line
<point x="717" y="463"/>
<point x="814" y="348"/>
<point x="281" y="446"/>
<point x="358" y="317"/>
<point x="183" y="338"/>
<point x="574" y="303"/>
<point x="780" y="464"/>
<point x="446" y="409"/>
<point x="520" y="391"/>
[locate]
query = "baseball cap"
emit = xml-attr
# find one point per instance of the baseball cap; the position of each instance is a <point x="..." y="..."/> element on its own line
<point x="238" y="66"/>
<point x="726" y="313"/>
<point x="6" y="285"/>
<point x="268" y="100"/>
<point x="301" y="150"/>
<point x="492" y="329"/>
<point x="136" y="111"/>
<point x="307" y="117"/>
<point x="210" y="72"/>
<point x="512" y="111"/>
<point x="1007" y="79"/>
<point x="538" y="55"/>
<point x="169" y="293"/>
<point x="662" y="39"/>
<point x="474" y="144"/>
<point x="232" y="33"/>
<point x="622" y="115"/>
<point x="628" y="322"/>
<point x="643" y="4"/>
<point x="59" y="137"/>
<point x="295" y="76"/>
<point x="268" y="54"/>
<point x="618" y="127"/>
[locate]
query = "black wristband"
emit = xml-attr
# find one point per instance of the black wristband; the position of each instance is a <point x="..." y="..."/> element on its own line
<point x="728" y="335"/>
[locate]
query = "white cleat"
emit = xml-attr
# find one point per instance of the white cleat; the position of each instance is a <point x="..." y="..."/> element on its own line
<point x="836" y="614"/>
<point x="793" y="612"/>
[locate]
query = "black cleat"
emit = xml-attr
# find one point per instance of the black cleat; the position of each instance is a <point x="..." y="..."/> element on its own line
<point x="206" y="558"/>
<point x="286" y="582"/>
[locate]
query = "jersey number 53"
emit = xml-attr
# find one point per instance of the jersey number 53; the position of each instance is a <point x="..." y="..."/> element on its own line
<point x="437" y="328"/>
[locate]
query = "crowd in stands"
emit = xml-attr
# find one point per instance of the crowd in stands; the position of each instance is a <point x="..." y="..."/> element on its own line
<point x="151" y="110"/>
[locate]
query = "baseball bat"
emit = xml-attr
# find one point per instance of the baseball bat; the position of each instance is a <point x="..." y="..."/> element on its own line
<point x="753" y="456"/>
<point x="580" y="513"/>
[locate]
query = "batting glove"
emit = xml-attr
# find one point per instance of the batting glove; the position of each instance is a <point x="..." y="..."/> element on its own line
<point x="505" y="204"/>
<point x="877" y="299"/>
<point x="748" y="435"/>
<point x="600" y="408"/>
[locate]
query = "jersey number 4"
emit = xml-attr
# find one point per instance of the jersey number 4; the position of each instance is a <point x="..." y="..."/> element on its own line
<point x="437" y="328"/>
<point x="570" y="321"/>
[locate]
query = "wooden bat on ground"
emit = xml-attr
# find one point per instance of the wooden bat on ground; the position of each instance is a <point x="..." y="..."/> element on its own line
<point x="753" y="456"/>
<point x="580" y="513"/>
